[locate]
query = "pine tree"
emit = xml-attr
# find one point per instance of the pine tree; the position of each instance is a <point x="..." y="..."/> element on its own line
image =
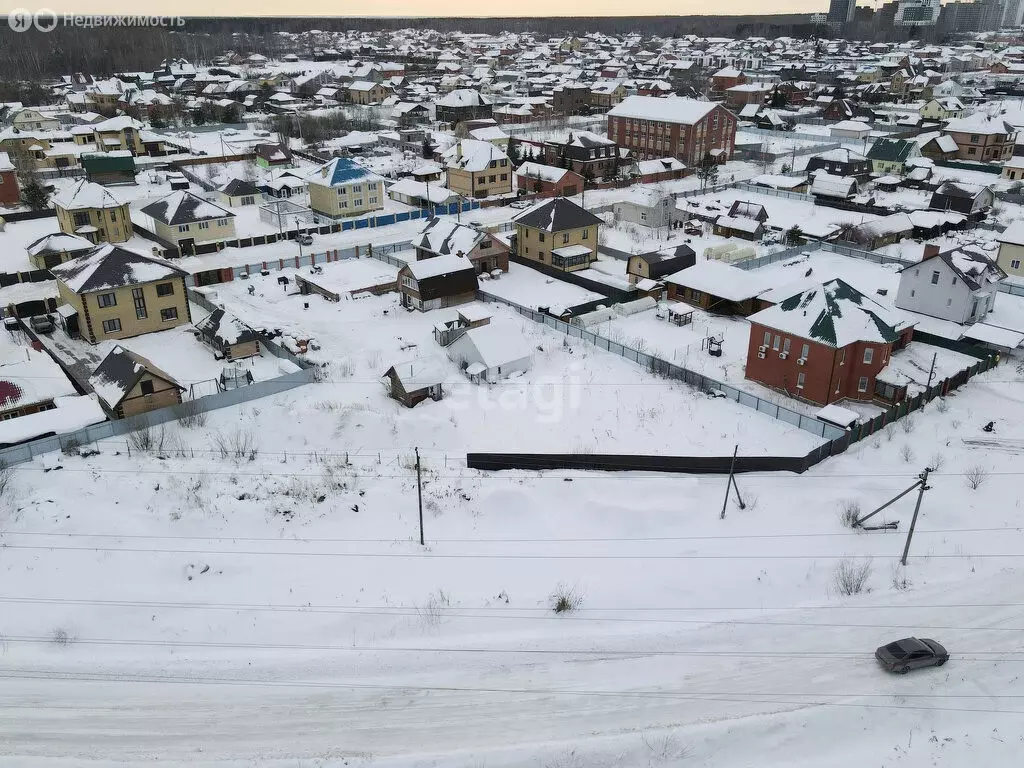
<point x="35" y="195"/>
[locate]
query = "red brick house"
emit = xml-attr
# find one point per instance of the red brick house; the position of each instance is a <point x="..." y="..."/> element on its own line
<point x="10" y="193"/>
<point x="827" y="343"/>
<point x="688" y="129"/>
<point x="724" y="79"/>
<point x="548" y="180"/>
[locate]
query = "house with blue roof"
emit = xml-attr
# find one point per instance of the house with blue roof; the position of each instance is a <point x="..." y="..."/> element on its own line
<point x="342" y="188"/>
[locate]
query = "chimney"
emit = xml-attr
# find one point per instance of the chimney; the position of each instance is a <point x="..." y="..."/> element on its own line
<point x="930" y="249"/>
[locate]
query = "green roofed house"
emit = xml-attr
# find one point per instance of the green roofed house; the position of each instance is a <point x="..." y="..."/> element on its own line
<point x="891" y="155"/>
<point x="827" y="343"/>
<point x="106" y="168"/>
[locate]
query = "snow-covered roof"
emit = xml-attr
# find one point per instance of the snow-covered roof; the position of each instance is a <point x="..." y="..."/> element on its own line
<point x="5" y="162"/>
<point x="112" y="266"/>
<point x="1013" y="234"/>
<point x="183" y="207"/>
<point x="667" y="110"/>
<point x="659" y="165"/>
<point x="556" y="215"/>
<point x="86" y="194"/>
<point x="118" y="374"/>
<point x="435" y="193"/>
<point x="719" y="279"/>
<point x="489" y="133"/>
<point x="464" y="97"/>
<point x="438" y="266"/>
<point x="473" y="155"/>
<point x="549" y="173"/>
<point x="59" y="243"/>
<point x="494" y="345"/>
<point x="420" y="373"/>
<point x="829" y="185"/>
<point x="980" y="123"/>
<point x="28" y="376"/>
<point x="225" y="329"/>
<point x="445" y="236"/>
<point x="341" y="171"/>
<point x="836" y="414"/>
<point x="835" y="314"/>
<point x="739" y="223"/>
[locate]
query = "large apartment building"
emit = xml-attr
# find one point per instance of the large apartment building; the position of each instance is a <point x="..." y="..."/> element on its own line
<point x="688" y="129"/>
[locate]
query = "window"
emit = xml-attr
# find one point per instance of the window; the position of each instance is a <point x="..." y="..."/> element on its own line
<point x="1014" y="263"/>
<point x="586" y="234"/>
<point x="696" y="295"/>
<point x="204" y="225"/>
<point x="343" y="203"/>
<point x="146" y="387"/>
<point x="111" y="326"/>
<point x="767" y="338"/>
<point x="912" y="292"/>
<point x="373" y="201"/>
<point x="805" y="351"/>
<point x="165" y="289"/>
<point x="106" y="300"/>
<point x="408" y="282"/>
<point x="113" y="214"/>
<point x="785" y="346"/>
<point x="171" y="313"/>
<point x="862" y="384"/>
<point x="140" y="303"/>
<point x="949" y="302"/>
<point x="540" y="236"/>
<point x="974" y="308"/>
<point x="504" y="177"/>
<point x="357" y="203"/>
<point x="869" y="355"/>
<point x="81" y="219"/>
<point x="565" y="238"/>
<point x="776" y="343"/>
<point x="800" y="379"/>
<point x="222" y="222"/>
<point x="935" y="277"/>
<point x="357" y="187"/>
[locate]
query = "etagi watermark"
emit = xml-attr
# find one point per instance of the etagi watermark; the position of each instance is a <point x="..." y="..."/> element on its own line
<point x="45" y="20"/>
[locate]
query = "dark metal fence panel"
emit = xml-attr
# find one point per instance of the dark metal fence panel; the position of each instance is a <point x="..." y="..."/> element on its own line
<point x="635" y="463"/>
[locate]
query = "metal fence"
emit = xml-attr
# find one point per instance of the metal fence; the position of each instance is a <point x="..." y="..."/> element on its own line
<point x="669" y="370"/>
<point x="27" y="451"/>
<point x="772" y="192"/>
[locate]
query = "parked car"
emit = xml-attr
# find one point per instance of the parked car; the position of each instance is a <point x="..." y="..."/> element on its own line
<point x="910" y="653"/>
<point x="521" y="204"/>
<point x="42" y="324"/>
<point x="305" y="239"/>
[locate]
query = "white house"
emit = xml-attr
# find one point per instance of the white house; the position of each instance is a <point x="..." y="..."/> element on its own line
<point x="1011" y="249"/>
<point x="491" y="352"/>
<point x="957" y="285"/>
<point x="850" y="129"/>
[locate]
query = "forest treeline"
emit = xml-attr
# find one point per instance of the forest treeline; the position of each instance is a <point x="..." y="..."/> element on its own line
<point x="105" y="51"/>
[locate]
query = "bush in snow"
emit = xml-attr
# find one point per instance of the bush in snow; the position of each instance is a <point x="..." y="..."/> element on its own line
<point x="146" y="438"/>
<point x="907" y="453"/>
<point x="890" y="431"/>
<point x="432" y="612"/>
<point x="976" y="477"/>
<point x="237" y="444"/>
<point x="565" y="599"/>
<point x="936" y="461"/>
<point x="850" y="576"/>
<point x="60" y="637"/>
<point x="941" y="405"/>
<point x="849" y="513"/>
<point x="908" y="424"/>
<point x="900" y="581"/>
<point x="190" y="415"/>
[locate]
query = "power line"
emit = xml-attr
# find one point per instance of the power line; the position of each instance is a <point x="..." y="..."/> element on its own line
<point x="558" y="540"/>
<point x="486" y="556"/>
<point x="726" y="697"/>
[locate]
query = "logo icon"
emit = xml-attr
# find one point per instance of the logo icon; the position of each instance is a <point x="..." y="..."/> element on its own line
<point x="45" y="20"/>
<point x="20" y="19"/>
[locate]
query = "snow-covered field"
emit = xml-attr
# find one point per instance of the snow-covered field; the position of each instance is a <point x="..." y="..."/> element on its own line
<point x="219" y="612"/>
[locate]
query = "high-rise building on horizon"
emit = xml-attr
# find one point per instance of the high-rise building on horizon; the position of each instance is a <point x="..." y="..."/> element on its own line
<point x="917" y="13"/>
<point x="841" y="11"/>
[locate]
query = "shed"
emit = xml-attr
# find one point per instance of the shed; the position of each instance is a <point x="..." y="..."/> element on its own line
<point x="228" y="335"/>
<point x="128" y="384"/>
<point x="414" y="381"/>
<point x="491" y="352"/>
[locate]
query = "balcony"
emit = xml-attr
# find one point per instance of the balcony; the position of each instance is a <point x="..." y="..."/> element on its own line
<point x="572" y="257"/>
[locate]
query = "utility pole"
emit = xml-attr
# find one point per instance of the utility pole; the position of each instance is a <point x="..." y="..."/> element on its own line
<point x="419" y="495"/>
<point x="931" y="371"/>
<point x="732" y="484"/>
<point x="917" y="508"/>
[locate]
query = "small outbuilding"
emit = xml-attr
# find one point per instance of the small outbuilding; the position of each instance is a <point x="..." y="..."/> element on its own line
<point x="128" y="384"/>
<point x="491" y="353"/>
<point x="230" y="338"/>
<point x="414" y="381"/>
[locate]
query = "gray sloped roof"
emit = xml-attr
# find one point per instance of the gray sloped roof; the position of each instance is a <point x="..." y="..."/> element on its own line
<point x="557" y="215"/>
<point x="119" y="372"/>
<point x="182" y="207"/>
<point x="110" y="266"/>
<point x="225" y="329"/>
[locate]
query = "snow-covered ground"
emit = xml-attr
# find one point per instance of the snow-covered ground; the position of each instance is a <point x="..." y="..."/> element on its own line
<point x="218" y="612"/>
<point x="530" y="288"/>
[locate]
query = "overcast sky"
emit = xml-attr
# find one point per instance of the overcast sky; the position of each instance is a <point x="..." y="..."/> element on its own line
<point x="315" y="8"/>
